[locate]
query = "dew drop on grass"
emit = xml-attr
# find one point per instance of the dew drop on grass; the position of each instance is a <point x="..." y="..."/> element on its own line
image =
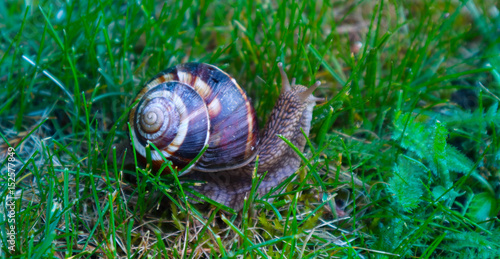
<point x="60" y="15"/>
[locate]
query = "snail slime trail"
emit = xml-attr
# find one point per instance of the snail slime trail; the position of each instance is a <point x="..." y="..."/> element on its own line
<point x="189" y="106"/>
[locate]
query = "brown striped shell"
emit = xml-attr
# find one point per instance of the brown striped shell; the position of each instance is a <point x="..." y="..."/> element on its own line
<point x="188" y="106"/>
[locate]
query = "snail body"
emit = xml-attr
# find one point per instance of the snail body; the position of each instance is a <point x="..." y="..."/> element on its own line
<point x="185" y="108"/>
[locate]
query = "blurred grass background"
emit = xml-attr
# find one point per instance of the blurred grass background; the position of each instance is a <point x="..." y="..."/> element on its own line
<point x="404" y="154"/>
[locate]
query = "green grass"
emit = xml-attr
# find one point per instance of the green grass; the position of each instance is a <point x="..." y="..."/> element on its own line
<point x="404" y="156"/>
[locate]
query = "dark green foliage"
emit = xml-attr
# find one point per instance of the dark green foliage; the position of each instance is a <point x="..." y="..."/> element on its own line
<point x="428" y="142"/>
<point x="472" y="244"/>
<point x="406" y="184"/>
<point x="416" y="189"/>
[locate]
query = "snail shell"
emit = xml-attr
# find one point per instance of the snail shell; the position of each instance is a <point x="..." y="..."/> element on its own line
<point x="186" y="107"/>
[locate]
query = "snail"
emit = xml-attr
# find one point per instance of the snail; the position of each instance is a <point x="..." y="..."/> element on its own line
<point x="191" y="105"/>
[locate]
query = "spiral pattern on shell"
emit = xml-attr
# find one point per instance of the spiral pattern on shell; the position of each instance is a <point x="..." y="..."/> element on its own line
<point x="186" y="107"/>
